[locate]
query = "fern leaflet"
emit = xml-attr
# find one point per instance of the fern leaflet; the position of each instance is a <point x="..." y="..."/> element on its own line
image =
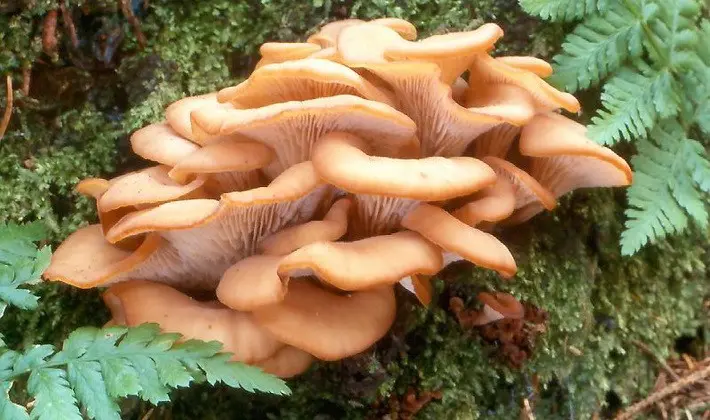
<point x="598" y="47"/>
<point x="21" y="263"/>
<point x="563" y="10"/>
<point x="634" y="101"/>
<point x="97" y="366"/>
<point x="659" y="204"/>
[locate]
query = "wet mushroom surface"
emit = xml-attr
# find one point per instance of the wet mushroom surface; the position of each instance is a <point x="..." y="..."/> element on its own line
<point x="360" y="161"/>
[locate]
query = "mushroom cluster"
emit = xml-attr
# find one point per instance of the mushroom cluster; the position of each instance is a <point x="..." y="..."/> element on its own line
<point x="297" y="200"/>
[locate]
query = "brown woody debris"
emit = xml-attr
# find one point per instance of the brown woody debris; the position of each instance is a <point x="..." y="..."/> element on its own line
<point x="514" y="337"/>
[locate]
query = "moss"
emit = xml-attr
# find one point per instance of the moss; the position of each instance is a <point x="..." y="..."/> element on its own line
<point x="84" y="103"/>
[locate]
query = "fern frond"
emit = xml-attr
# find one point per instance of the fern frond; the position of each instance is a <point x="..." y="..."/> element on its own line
<point x="97" y="366"/>
<point x="21" y="264"/>
<point x="17" y="241"/>
<point x="563" y="10"/>
<point x="671" y="170"/>
<point x="597" y="47"/>
<point x="673" y="33"/>
<point x="633" y="101"/>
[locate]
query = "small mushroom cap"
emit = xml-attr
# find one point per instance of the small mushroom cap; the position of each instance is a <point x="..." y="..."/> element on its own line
<point x="224" y="156"/>
<point x="92" y="187"/>
<point x="503" y="303"/>
<point x="486" y="70"/>
<point x="565" y="159"/>
<point x="86" y="260"/>
<point x="327" y="325"/>
<point x="491" y="204"/>
<point x="370" y="262"/>
<point x="333" y="226"/>
<point x="452" y="52"/>
<point x="532" y="64"/>
<point x="509" y="102"/>
<point x="287" y="362"/>
<point x="340" y="159"/>
<point x="452" y="235"/>
<point x="294" y="183"/>
<point x="251" y="283"/>
<point x="404" y="28"/>
<point x="160" y="143"/>
<point x="182" y="214"/>
<point x="178" y="115"/>
<point x="300" y="80"/>
<point x="365" y="43"/>
<point x="283" y="51"/>
<point x="136" y="302"/>
<point x="328" y="33"/>
<point x="147" y="186"/>
<point x="527" y="189"/>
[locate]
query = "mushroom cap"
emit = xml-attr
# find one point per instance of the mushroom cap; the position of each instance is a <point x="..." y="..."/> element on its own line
<point x="287" y="362"/>
<point x="341" y="160"/>
<point x="86" y="260"/>
<point x="148" y="186"/>
<point x="363" y="264"/>
<point x="328" y="33"/>
<point x="278" y="52"/>
<point x="251" y="283"/>
<point x="327" y="325"/>
<point x="136" y="302"/>
<point x="452" y="235"/>
<point x="452" y="52"/>
<point x="503" y="303"/>
<point x="491" y="204"/>
<point x="223" y="156"/>
<point x="292" y="128"/>
<point x="527" y="189"/>
<point x="486" y="70"/>
<point x="178" y="115"/>
<point x="197" y="240"/>
<point x="532" y="64"/>
<point x="333" y="226"/>
<point x="160" y="143"/>
<point x="92" y="187"/>
<point x="510" y="102"/>
<point x="565" y="159"/>
<point x="300" y="80"/>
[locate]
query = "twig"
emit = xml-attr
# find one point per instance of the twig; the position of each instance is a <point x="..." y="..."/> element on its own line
<point x="8" y="107"/>
<point x="26" y="79"/>
<point x="49" y="33"/>
<point x="644" y="348"/>
<point x="133" y="20"/>
<point x="664" y="392"/>
<point x="69" y="24"/>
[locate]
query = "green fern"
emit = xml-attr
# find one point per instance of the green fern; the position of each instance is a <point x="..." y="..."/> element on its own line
<point x="564" y="10"/>
<point x="653" y="59"/>
<point x="598" y="47"/>
<point x="96" y="367"/>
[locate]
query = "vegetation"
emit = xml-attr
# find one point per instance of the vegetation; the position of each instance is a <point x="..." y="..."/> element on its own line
<point x="96" y="367"/>
<point x="83" y="102"/>
<point x="652" y="58"/>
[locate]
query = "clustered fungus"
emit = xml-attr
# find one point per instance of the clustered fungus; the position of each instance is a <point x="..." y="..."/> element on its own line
<point x="343" y="166"/>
